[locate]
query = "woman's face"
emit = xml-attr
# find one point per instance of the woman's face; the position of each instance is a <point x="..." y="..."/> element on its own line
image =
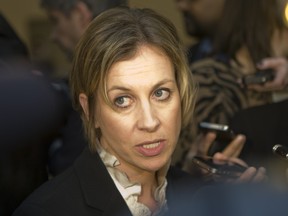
<point x="143" y="127"/>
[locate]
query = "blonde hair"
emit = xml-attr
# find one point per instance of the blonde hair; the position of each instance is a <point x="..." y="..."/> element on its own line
<point x="116" y="35"/>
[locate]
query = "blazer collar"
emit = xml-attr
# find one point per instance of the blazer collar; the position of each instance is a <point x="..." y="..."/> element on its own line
<point x="98" y="188"/>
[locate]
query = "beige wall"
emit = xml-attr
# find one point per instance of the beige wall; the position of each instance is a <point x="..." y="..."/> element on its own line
<point x="23" y="13"/>
<point x="19" y="13"/>
<point x="166" y="8"/>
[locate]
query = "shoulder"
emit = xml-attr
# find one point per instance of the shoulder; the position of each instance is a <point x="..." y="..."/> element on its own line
<point x="85" y="188"/>
<point x="56" y="194"/>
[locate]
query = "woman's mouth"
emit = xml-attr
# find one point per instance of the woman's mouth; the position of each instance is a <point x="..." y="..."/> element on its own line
<point x="151" y="149"/>
<point x="152" y="145"/>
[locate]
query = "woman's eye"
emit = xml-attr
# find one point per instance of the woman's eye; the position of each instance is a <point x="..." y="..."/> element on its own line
<point x="122" y="102"/>
<point x="162" y="94"/>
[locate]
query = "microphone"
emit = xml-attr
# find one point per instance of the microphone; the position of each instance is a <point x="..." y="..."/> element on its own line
<point x="281" y="151"/>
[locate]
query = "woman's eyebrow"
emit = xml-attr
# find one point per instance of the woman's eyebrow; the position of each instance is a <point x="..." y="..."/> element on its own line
<point x="123" y="88"/>
<point x="162" y="82"/>
<point x="116" y="87"/>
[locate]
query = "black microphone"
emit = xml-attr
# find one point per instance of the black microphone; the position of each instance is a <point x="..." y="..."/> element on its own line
<point x="281" y="151"/>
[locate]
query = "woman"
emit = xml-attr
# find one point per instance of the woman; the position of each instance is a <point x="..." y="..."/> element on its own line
<point x="132" y="86"/>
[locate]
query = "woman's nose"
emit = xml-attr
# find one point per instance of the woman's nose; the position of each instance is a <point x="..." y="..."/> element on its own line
<point x="147" y="118"/>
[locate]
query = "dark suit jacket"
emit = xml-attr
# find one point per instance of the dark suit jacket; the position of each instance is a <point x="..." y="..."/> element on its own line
<point x="87" y="189"/>
<point x="30" y="116"/>
<point x="264" y="126"/>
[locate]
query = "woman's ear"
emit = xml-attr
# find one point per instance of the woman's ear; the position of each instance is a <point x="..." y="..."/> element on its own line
<point x="84" y="104"/>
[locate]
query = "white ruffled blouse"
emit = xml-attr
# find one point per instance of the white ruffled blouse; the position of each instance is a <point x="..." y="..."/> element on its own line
<point x="131" y="191"/>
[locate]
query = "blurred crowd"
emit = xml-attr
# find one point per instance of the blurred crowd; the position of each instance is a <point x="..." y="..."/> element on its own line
<point x="42" y="135"/>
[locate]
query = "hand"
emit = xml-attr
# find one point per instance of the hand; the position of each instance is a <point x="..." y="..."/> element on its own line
<point x="233" y="149"/>
<point x="203" y="143"/>
<point x="253" y="175"/>
<point x="250" y="175"/>
<point x="280" y="81"/>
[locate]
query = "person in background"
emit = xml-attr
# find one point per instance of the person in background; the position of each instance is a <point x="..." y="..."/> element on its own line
<point x="266" y="125"/>
<point x="70" y="19"/>
<point x="279" y="65"/>
<point x="229" y="55"/>
<point x="30" y="115"/>
<point x="200" y="19"/>
<point x="132" y="85"/>
<point x="12" y="47"/>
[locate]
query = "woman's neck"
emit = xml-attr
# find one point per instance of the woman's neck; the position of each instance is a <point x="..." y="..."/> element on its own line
<point x="149" y="183"/>
<point x="147" y="196"/>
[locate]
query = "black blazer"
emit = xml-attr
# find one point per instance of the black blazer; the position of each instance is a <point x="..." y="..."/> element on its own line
<point x="87" y="189"/>
<point x="264" y="126"/>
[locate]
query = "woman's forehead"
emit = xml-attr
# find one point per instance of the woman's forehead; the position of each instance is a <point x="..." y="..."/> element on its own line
<point x="149" y="62"/>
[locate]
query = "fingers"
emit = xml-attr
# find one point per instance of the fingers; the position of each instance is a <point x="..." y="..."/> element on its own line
<point x="235" y="147"/>
<point x="252" y="175"/>
<point x="247" y="176"/>
<point x="261" y="88"/>
<point x="218" y="157"/>
<point x="209" y="138"/>
<point x="280" y="81"/>
<point x="271" y="62"/>
<point x="260" y="175"/>
<point x="204" y="141"/>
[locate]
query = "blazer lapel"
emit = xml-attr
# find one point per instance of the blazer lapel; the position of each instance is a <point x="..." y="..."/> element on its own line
<point x="97" y="186"/>
<point x="180" y="192"/>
